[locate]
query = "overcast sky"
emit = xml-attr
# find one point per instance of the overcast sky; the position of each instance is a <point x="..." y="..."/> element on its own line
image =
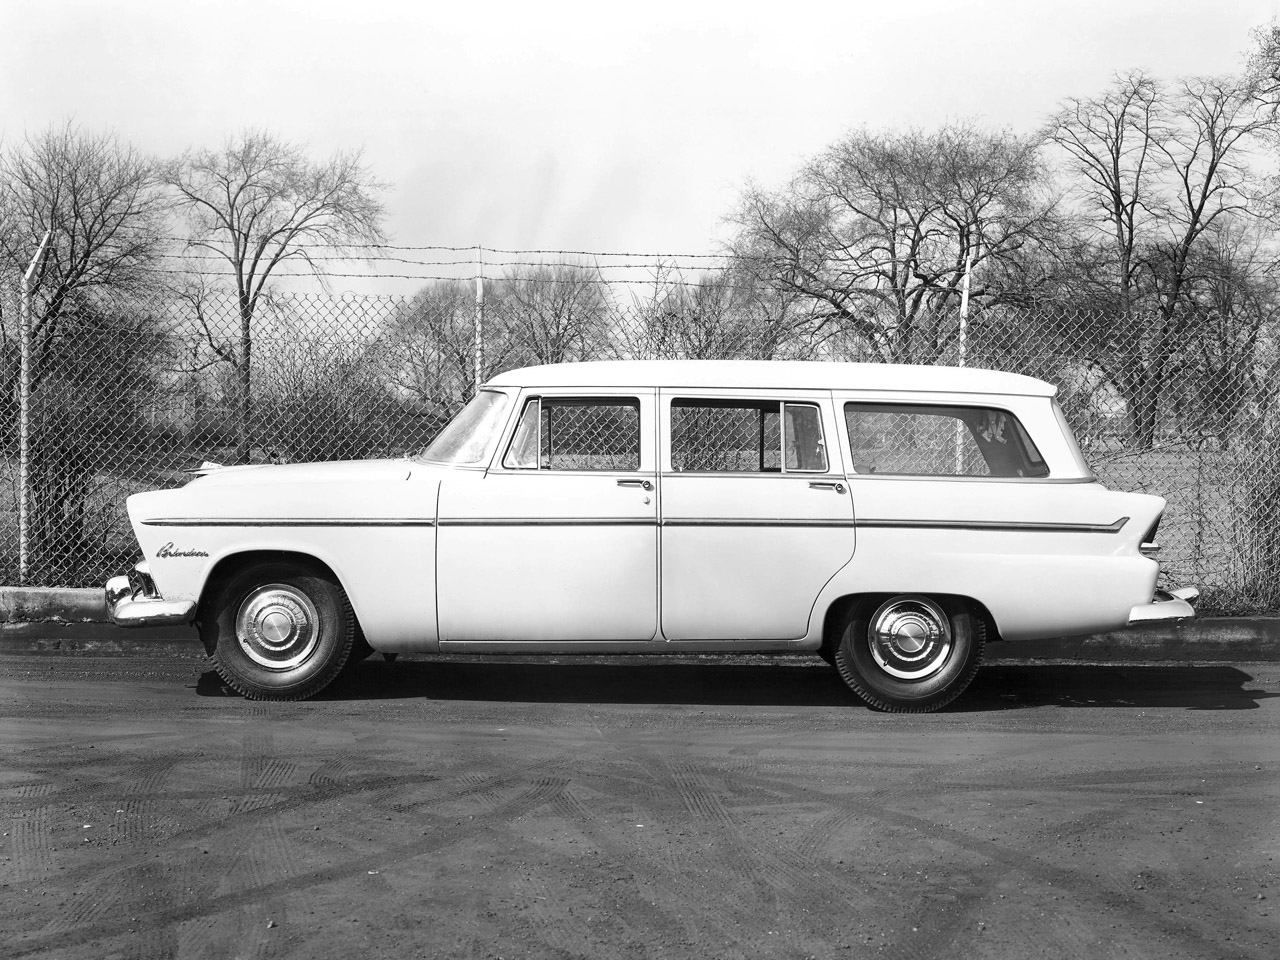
<point x="597" y="126"/>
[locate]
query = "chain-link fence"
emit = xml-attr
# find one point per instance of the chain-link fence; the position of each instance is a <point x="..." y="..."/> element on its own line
<point x="127" y="394"/>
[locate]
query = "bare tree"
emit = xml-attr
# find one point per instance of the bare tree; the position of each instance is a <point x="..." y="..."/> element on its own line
<point x="725" y="314"/>
<point x="259" y="203"/>
<point x="1110" y="140"/>
<point x="1226" y="381"/>
<point x="428" y="349"/>
<point x="875" y="234"/>
<point x="554" y="313"/>
<point x="1156" y="170"/>
<point x="91" y="356"/>
<point x="99" y="201"/>
<point x="1263" y="66"/>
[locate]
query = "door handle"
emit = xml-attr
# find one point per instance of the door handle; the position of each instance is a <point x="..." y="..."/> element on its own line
<point x="826" y="485"/>
<point x="643" y="484"/>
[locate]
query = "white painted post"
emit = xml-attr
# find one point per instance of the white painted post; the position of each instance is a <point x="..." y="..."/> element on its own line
<point x="479" y="347"/>
<point x="964" y="330"/>
<point x="24" y="408"/>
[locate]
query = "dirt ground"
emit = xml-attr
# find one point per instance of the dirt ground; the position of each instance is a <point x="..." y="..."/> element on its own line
<point x="453" y="808"/>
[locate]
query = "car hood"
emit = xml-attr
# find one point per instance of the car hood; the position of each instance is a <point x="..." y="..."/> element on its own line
<point x="368" y="489"/>
<point x="340" y="471"/>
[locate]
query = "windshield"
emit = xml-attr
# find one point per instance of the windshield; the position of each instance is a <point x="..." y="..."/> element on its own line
<point x="470" y="436"/>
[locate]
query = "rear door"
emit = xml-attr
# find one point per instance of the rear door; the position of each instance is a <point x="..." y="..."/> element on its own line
<point x="756" y="514"/>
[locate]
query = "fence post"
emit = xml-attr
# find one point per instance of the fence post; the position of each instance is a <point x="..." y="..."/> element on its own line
<point x="479" y="347"/>
<point x="25" y="296"/>
<point x="964" y="330"/>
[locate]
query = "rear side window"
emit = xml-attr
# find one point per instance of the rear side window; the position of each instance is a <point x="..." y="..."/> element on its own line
<point x="744" y="436"/>
<point x="576" y="434"/>
<point x="940" y="441"/>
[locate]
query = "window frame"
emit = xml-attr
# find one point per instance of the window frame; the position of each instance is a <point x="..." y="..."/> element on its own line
<point x="538" y="398"/>
<point x="747" y="402"/>
<point x="943" y="408"/>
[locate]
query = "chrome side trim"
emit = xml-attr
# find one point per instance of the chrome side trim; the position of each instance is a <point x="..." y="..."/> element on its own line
<point x="287" y="522"/>
<point x="659" y="645"/>
<point x="996" y="525"/>
<point x="867" y="522"/>
<point x="908" y="477"/>
<point x="549" y="522"/>
<point x="763" y="522"/>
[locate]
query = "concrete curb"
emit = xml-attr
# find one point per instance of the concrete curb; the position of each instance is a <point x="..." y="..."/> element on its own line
<point x="65" y="620"/>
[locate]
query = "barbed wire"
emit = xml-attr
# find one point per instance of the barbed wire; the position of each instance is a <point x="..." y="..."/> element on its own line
<point x="311" y="245"/>
<point x="471" y="264"/>
<point x="601" y="281"/>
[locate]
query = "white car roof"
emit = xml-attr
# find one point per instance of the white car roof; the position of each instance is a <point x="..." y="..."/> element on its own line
<point x="773" y="374"/>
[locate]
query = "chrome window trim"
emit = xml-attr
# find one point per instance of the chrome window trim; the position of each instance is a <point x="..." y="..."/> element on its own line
<point x="747" y="398"/>
<point x="624" y="398"/>
<point x="290" y="522"/>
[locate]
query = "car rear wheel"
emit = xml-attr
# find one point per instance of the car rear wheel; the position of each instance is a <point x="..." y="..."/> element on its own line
<point x="910" y="653"/>
<point x="279" y="631"/>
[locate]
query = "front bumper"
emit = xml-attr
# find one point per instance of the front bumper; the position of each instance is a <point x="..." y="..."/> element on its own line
<point x="133" y="601"/>
<point x="1166" y="605"/>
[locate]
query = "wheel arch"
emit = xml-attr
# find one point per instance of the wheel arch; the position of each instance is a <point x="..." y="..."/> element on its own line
<point x="227" y="566"/>
<point x="839" y="607"/>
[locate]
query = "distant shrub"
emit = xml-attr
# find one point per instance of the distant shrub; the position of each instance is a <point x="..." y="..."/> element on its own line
<point x="1253" y="556"/>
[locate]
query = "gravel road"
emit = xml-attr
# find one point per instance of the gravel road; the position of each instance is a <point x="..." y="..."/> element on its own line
<point x="622" y="808"/>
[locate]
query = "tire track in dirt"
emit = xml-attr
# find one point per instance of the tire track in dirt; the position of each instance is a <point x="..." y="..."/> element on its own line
<point x="772" y="887"/>
<point x="687" y="797"/>
<point x="36" y="791"/>
<point x="33" y="858"/>
<point x="91" y="902"/>
<point x="649" y="877"/>
<point x="138" y="817"/>
<point x="796" y="895"/>
<point x="137" y="820"/>
<point x="1100" y="896"/>
<point x="538" y="794"/>
<point x="785" y="868"/>
<point x="302" y="797"/>
<point x="260" y="772"/>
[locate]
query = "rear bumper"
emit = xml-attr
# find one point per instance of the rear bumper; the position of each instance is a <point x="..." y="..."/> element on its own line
<point x="133" y="601"/>
<point x="1166" y="605"/>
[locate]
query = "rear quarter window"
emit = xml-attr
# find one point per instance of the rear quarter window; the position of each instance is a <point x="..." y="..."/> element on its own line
<point x="940" y="441"/>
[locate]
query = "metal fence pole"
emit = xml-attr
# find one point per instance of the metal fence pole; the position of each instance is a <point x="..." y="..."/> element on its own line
<point x="964" y="331"/>
<point x="479" y="346"/>
<point x="24" y="408"/>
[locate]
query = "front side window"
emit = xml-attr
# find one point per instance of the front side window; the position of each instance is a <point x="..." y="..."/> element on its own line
<point x="940" y="441"/>
<point x="744" y="436"/>
<point x="576" y="434"/>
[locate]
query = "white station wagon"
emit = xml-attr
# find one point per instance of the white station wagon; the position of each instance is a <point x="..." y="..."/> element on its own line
<point x="892" y="519"/>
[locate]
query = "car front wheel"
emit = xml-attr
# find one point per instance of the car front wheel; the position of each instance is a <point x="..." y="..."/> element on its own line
<point x="910" y="653"/>
<point x="280" y="631"/>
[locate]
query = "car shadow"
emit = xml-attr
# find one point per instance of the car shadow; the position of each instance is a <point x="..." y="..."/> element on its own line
<point x="790" y="681"/>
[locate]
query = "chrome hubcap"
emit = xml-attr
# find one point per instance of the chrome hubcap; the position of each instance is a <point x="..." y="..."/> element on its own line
<point x="910" y="637"/>
<point x="277" y="626"/>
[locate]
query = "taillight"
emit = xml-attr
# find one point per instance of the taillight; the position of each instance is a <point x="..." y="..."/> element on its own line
<point x="1150" y="547"/>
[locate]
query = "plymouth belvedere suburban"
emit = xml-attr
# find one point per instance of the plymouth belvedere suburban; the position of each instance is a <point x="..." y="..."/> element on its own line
<point x="891" y="519"/>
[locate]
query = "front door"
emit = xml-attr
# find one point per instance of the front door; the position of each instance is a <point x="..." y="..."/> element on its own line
<point x="559" y="539"/>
